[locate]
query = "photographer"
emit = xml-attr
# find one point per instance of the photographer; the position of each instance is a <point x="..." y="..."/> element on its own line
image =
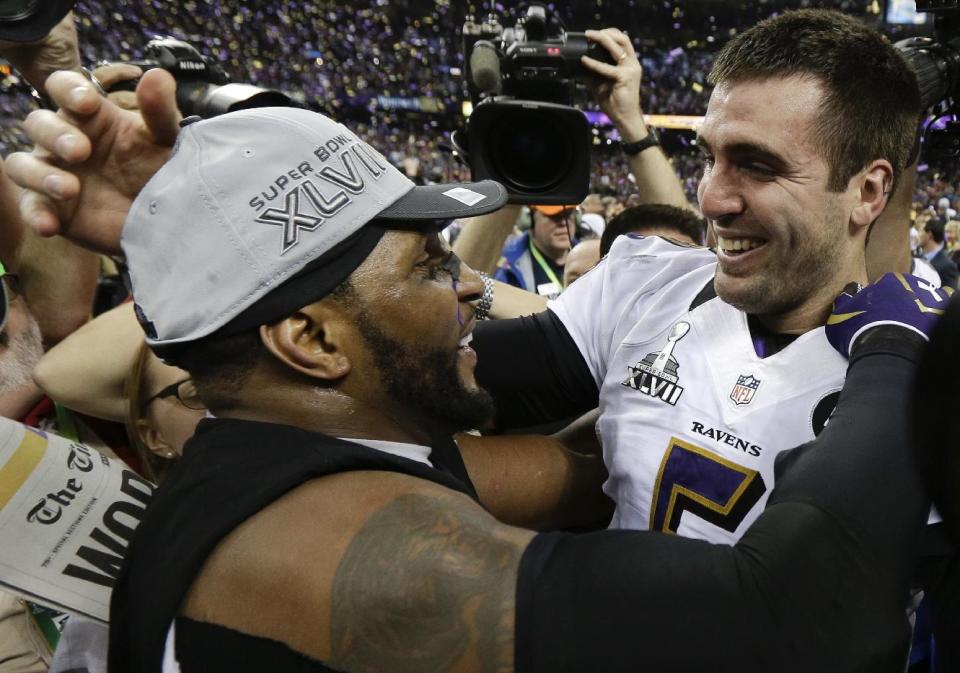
<point x="790" y="627"/>
<point x="616" y="89"/>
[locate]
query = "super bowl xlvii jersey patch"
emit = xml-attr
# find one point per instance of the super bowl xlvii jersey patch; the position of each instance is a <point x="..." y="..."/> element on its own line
<point x="691" y="418"/>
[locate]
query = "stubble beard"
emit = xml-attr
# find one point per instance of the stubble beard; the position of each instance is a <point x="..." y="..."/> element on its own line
<point x="796" y="277"/>
<point x="23" y="352"/>
<point x="426" y="381"/>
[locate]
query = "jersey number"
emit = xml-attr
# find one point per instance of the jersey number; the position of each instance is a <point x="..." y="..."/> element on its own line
<point x="692" y="479"/>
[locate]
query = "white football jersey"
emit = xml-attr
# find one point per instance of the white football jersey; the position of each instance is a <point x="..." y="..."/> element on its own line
<point x="691" y="419"/>
<point x="921" y="269"/>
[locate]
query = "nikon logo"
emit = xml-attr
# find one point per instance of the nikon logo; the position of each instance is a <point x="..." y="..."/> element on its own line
<point x="192" y="65"/>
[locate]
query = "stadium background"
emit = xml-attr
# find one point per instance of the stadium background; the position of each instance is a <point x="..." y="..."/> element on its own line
<point x="391" y="69"/>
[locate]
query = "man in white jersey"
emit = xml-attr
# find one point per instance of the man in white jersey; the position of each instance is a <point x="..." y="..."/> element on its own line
<point x="708" y="366"/>
<point x="769" y="620"/>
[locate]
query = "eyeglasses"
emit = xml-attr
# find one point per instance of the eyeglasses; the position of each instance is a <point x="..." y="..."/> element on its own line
<point x="184" y="391"/>
<point x="10" y="286"/>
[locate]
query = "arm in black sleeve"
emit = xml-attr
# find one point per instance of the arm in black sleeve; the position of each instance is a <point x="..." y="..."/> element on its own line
<point x="533" y="369"/>
<point x="935" y="403"/>
<point x="817" y="583"/>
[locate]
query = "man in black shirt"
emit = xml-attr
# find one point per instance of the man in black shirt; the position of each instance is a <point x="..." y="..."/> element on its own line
<point x="323" y="521"/>
<point x="276" y="543"/>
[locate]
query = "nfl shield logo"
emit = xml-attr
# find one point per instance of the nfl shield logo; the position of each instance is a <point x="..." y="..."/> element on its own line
<point x="745" y="389"/>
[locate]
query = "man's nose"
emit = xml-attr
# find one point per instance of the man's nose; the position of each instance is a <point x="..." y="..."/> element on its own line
<point x="719" y="195"/>
<point x="470" y="284"/>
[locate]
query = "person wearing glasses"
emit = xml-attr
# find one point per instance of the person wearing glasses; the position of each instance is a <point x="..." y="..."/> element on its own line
<point x="104" y="370"/>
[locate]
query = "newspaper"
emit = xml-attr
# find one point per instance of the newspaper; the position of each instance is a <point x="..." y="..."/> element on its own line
<point x="67" y="513"/>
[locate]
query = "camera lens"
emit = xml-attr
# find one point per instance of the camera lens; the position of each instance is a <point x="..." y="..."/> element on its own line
<point x="530" y="151"/>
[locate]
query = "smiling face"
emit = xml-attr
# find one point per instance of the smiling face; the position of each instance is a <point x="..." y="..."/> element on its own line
<point x="786" y="245"/>
<point x="413" y="308"/>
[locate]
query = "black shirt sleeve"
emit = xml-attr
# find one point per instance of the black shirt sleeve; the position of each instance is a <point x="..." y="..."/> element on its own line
<point x="819" y="581"/>
<point x="533" y="369"/>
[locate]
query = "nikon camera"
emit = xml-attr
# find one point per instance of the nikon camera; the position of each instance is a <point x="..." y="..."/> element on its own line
<point x="203" y="88"/>
<point x="524" y="130"/>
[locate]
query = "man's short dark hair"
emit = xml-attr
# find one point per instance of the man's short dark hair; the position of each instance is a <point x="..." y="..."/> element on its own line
<point x="872" y="101"/>
<point x="935" y="228"/>
<point x="220" y="365"/>
<point x="648" y="217"/>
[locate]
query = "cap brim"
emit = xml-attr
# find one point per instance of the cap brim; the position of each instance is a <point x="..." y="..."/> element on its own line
<point x="447" y="202"/>
<point x="37" y="26"/>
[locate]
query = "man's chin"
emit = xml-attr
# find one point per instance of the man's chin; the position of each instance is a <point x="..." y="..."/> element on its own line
<point x="746" y="294"/>
<point x="468" y="408"/>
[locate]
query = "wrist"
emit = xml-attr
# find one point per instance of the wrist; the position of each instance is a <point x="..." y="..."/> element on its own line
<point x="633" y="149"/>
<point x="888" y="339"/>
<point x="633" y="131"/>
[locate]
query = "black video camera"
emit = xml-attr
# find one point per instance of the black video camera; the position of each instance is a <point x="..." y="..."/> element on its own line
<point x="524" y="131"/>
<point x="937" y="64"/>
<point x="203" y="88"/>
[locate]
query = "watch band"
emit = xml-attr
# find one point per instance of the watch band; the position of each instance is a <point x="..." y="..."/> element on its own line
<point x="651" y="140"/>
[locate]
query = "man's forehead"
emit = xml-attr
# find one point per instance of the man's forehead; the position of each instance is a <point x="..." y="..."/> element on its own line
<point x="771" y="112"/>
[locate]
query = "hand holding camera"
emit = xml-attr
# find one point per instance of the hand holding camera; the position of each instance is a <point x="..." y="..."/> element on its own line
<point x="616" y="87"/>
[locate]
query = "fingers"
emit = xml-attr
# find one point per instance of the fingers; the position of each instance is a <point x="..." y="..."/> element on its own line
<point x="618" y="45"/>
<point x="111" y="74"/>
<point x="157" y="96"/>
<point x="82" y="105"/>
<point x="614" y="41"/>
<point x="56" y="135"/>
<point x="73" y="94"/>
<point x="599" y="67"/>
<point x="33" y="172"/>
<point x="39" y="213"/>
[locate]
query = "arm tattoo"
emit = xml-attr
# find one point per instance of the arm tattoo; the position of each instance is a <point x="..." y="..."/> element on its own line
<point x="425" y="582"/>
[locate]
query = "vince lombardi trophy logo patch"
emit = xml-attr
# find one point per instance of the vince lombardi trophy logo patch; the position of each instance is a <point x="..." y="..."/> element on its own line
<point x="656" y="375"/>
<point x="745" y="389"/>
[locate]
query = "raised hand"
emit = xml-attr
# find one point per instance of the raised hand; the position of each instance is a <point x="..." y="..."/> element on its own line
<point x="92" y="157"/>
<point x="616" y="88"/>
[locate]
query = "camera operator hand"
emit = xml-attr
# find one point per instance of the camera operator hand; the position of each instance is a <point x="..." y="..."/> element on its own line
<point x="617" y="87"/>
<point x="110" y="75"/>
<point x="109" y="154"/>
<point x="59" y="50"/>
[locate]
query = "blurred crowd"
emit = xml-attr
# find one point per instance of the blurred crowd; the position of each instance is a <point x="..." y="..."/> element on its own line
<point x="340" y="58"/>
<point x="391" y="71"/>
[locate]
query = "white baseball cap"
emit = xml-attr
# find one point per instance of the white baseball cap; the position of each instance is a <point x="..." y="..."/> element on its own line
<point x="262" y="211"/>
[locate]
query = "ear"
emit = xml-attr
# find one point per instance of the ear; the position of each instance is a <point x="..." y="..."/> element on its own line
<point x="875" y="188"/>
<point x="312" y="341"/>
<point x="153" y="440"/>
